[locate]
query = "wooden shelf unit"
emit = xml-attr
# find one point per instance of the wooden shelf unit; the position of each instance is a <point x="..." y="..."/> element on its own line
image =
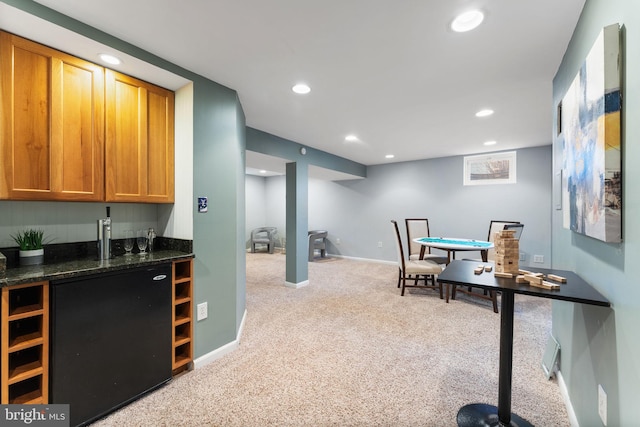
<point x="182" y="315"/>
<point x="24" y="344"/>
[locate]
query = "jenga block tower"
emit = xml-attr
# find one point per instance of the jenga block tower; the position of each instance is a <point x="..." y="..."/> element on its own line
<point x="507" y="252"/>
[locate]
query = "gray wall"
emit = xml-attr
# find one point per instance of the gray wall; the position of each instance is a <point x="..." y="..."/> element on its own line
<point x="65" y="222"/>
<point x="275" y="203"/>
<point x="601" y="346"/>
<point x="256" y="214"/>
<point x="358" y="212"/>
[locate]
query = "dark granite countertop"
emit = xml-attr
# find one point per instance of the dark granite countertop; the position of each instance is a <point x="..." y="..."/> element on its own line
<point x="87" y="266"/>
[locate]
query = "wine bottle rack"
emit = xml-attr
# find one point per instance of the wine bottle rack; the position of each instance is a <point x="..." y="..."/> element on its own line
<point x="182" y="316"/>
<point x="24" y="338"/>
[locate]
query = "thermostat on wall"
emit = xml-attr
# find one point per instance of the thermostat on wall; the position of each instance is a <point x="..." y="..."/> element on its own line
<point x="203" y="204"/>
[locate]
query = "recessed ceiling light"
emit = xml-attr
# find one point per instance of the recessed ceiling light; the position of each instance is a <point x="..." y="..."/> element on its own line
<point x="109" y="59"/>
<point x="351" y="138"/>
<point x="389" y="156"/>
<point x="301" y="88"/>
<point x="491" y="143"/>
<point x="467" y="21"/>
<point x="263" y="171"/>
<point x="484" y="113"/>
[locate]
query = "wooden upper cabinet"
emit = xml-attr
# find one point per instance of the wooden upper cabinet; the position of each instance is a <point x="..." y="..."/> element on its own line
<point x="52" y="124"/>
<point x="139" y="141"/>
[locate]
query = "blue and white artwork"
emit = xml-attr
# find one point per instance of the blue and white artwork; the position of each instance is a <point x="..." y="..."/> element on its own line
<point x="590" y="134"/>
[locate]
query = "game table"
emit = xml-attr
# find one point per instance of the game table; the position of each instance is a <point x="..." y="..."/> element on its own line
<point x="452" y="245"/>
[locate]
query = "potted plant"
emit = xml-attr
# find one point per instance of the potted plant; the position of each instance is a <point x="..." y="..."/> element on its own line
<point x="30" y="242"/>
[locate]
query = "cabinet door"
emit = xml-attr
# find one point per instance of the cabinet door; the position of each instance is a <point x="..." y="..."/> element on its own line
<point x="139" y="141"/>
<point x="52" y="115"/>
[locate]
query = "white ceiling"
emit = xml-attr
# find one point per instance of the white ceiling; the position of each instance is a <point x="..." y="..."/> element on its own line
<point x="389" y="71"/>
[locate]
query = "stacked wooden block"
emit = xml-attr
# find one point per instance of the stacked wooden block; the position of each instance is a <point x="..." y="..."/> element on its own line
<point x="537" y="279"/>
<point x="507" y="252"/>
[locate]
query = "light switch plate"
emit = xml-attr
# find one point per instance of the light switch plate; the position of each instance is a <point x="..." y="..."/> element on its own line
<point x="202" y="311"/>
<point x="602" y="404"/>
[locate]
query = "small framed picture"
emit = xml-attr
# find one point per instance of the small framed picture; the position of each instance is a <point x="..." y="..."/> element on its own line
<point x="496" y="168"/>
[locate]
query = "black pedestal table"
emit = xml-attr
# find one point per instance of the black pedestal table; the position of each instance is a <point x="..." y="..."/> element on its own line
<point x="460" y="272"/>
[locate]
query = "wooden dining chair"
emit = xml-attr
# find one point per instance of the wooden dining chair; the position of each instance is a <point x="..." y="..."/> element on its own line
<point x="419" y="227"/>
<point x="412" y="271"/>
<point x="485" y="295"/>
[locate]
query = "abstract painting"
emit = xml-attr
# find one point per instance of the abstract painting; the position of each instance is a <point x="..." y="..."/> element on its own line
<point x="591" y="140"/>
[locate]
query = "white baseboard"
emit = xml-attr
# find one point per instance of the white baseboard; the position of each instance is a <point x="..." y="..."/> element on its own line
<point x="567" y="401"/>
<point x="296" y="285"/>
<point x="221" y="351"/>
<point x="306" y="282"/>
<point x="377" y="261"/>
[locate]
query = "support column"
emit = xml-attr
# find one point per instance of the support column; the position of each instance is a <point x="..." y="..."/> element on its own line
<point x="297" y="205"/>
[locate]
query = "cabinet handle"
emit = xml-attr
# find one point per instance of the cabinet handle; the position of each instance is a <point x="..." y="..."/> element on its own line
<point x="160" y="277"/>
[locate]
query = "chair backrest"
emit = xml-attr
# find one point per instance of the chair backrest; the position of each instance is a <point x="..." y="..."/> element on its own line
<point x="416" y="227"/>
<point x="317" y="239"/>
<point x="270" y="232"/>
<point x="317" y="234"/>
<point x="516" y="227"/>
<point x="398" y="240"/>
<point x="494" y="227"/>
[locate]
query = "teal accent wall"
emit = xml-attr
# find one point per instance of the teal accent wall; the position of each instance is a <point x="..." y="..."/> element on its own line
<point x="218" y="150"/>
<point x="240" y="224"/>
<point x="266" y="143"/>
<point x="218" y="154"/>
<point x="601" y="346"/>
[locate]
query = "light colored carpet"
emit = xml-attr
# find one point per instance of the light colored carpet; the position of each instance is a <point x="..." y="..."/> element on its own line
<point x="348" y="350"/>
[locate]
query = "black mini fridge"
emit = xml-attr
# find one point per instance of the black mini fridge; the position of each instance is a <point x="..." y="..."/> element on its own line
<point x="110" y="339"/>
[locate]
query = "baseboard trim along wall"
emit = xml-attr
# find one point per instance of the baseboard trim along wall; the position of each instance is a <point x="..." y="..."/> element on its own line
<point x="567" y="401"/>
<point x="221" y="351"/>
<point x="378" y="261"/>
<point x="296" y="285"/>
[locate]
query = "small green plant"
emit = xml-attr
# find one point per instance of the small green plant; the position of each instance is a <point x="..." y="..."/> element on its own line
<point x="29" y="239"/>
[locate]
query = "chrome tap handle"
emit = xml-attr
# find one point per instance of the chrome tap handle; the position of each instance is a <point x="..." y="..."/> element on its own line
<point x="151" y="235"/>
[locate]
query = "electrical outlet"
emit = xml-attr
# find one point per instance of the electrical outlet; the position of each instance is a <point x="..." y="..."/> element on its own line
<point x="523" y="257"/>
<point x="538" y="258"/>
<point x="379" y="244"/>
<point x="202" y="311"/>
<point x="337" y="241"/>
<point x="602" y="404"/>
